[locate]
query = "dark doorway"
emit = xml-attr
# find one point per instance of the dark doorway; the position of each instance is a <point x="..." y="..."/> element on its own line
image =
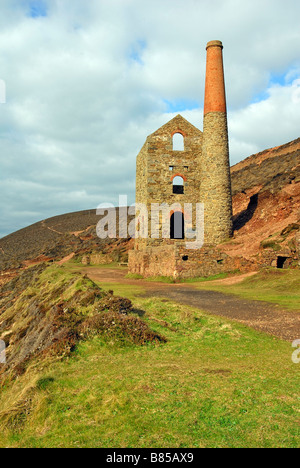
<point x="178" y="189"/>
<point x="177" y="225"/>
<point x="281" y="262"/>
<point x="178" y="185"/>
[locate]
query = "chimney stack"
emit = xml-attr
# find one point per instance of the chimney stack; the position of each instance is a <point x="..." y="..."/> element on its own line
<point x="215" y="98"/>
<point x="215" y="189"/>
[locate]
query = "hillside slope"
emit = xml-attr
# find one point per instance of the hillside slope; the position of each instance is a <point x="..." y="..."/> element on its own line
<point x="55" y="238"/>
<point x="266" y="200"/>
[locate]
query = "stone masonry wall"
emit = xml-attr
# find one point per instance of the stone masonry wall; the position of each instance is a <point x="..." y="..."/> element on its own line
<point x="158" y="164"/>
<point x="177" y="262"/>
<point x="159" y="261"/>
<point x="215" y="186"/>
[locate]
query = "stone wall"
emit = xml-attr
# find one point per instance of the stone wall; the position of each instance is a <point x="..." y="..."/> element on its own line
<point x="158" y="261"/>
<point x="177" y="262"/>
<point x="215" y="187"/>
<point x="158" y="164"/>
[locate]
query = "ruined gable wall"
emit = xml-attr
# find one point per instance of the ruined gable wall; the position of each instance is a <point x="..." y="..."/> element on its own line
<point x="158" y="156"/>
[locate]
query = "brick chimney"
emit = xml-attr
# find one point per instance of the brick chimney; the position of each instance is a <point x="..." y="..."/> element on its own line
<point x="215" y="188"/>
<point x="215" y="98"/>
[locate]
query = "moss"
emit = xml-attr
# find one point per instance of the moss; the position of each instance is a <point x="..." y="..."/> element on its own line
<point x="44" y="383"/>
<point x="290" y="228"/>
<point x="134" y="276"/>
<point x="269" y="244"/>
<point x="162" y="279"/>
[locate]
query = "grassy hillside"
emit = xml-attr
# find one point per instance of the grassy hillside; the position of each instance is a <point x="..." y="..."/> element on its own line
<point x="210" y="383"/>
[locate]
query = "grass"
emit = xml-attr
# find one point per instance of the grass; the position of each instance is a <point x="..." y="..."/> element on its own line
<point x="120" y="289"/>
<point x="213" y="384"/>
<point x="205" y="279"/>
<point x="135" y="276"/>
<point x="272" y="285"/>
<point x="123" y="290"/>
<point x="161" y="279"/>
<point x="171" y="280"/>
<point x="78" y="266"/>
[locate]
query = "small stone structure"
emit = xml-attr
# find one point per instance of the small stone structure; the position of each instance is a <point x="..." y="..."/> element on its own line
<point x="197" y="172"/>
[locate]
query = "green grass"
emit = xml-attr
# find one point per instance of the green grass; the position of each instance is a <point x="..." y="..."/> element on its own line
<point x="161" y="279"/>
<point x="281" y="287"/>
<point x="120" y="289"/>
<point x="78" y="266"/>
<point x="171" y="280"/>
<point x="205" y="279"/>
<point x="135" y="276"/>
<point x="123" y="290"/>
<point x="213" y="384"/>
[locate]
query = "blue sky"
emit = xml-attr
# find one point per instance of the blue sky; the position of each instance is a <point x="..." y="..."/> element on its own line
<point x="37" y="9"/>
<point x="136" y="51"/>
<point x="181" y="105"/>
<point x="87" y="81"/>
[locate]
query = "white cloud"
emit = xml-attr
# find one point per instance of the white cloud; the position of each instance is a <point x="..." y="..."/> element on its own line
<point x="87" y="83"/>
<point x="267" y="123"/>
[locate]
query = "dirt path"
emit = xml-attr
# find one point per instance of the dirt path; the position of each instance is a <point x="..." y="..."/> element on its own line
<point x="50" y="228"/>
<point x="234" y="279"/>
<point x="262" y="316"/>
<point x="66" y="259"/>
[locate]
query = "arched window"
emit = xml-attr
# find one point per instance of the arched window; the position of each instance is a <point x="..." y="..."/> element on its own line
<point x="178" y="185"/>
<point x="177" y="225"/>
<point x="178" y="142"/>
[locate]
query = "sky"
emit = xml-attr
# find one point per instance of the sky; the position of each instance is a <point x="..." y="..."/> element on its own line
<point x="85" y="82"/>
